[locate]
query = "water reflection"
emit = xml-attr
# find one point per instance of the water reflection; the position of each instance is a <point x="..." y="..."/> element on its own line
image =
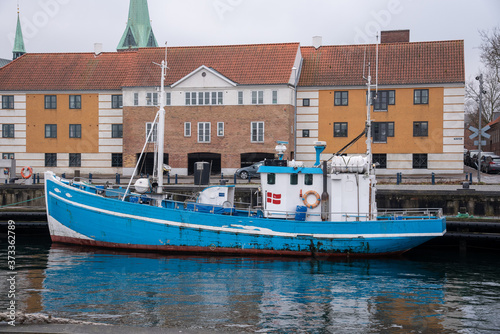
<point x="255" y="294"/>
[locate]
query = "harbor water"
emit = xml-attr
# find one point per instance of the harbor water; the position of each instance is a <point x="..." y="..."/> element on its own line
<point x="424" y="291"/>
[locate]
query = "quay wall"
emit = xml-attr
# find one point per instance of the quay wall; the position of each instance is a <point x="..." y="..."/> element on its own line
<point x="477" y="203"/>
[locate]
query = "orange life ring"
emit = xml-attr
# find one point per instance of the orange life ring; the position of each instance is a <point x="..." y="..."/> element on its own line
<point x="29" y="169"/>
<point x="306" y="203"/>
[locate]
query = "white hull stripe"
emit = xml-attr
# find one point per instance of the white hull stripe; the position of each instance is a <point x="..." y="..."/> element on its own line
<point x="246" y="229"/>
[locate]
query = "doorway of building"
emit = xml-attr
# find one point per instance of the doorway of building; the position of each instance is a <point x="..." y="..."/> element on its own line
<point x="248" y="159"/>
<point x="146" y="164"/>
<point x="213" y="158"/>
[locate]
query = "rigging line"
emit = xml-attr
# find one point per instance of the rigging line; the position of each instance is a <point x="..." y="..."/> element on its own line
<point x="349" y="144"/>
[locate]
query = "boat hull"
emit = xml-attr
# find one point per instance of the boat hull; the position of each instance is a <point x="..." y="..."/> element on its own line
<point x="77" y="216"/>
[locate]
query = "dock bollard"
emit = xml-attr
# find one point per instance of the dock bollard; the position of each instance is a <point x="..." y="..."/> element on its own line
<point x="433" y="178"/>
<point x="90" y="177"/>
<point x="234" y="178"/>
<point x="38" y="178"/>
<point x="168" y="177"/>
<point x="470" y="178"/>
<point x="117" y="178"/>
<point x="175" y="178"/>
<point x="34" y="178"/>
<point x="63" y="175"/>
<point x="249" y="179"/>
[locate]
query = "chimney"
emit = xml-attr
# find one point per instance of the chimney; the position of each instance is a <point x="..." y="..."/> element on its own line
<point x="395" y="36"/>
<point x="317" y="41"/>
<point x="97" y="49"/>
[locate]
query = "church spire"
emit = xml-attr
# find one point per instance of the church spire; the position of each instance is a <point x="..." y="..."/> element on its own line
<point x="18" y="49"/>
<point x="138" y="33"/>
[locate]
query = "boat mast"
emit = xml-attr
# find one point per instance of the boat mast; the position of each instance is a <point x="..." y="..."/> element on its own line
<point x="368" y="109"/>
<point x="161" y="125"/>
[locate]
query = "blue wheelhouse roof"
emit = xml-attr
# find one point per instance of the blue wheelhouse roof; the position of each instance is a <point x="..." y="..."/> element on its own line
<point x="289" y="170"/>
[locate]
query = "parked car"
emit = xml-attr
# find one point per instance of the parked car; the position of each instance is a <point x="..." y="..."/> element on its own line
<point x="477" y="157"/>
<point x="491" y="164"/>
<point x="251" y="171"/>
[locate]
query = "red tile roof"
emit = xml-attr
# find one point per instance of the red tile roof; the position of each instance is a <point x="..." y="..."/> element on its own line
<point x="257" y="64"/>
<point x="66" y="71"/>
<point x="399" y="63"/>
<point x="244" y="64"/>
<point x="495" y="121"/>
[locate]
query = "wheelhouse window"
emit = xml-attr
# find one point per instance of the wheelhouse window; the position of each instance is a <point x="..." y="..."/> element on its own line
<point x="116" y="159"/>
<point x="75" y="160"/>
<point x="50" y="102"/>
<point x="420" y="129"/>
<point x="380" y="160"/>
<point x="50" y="130"/>
<point x="116" y="130"/>
<point x="421" y="96"/>
<point x="382" y="130"/>
<point x="340" y="129"/>
<point x="7" y="101"/>
<point x="294" y="179"/>
<point x="75" y="131"/>
<point x="7" y="155"/>
<point x="50" y="159"/>
<point x="204" y="132"/>
<point x="116" y="101"/>
<point x="420" y="161"/>
<point x="257" y="132"/>
<point x="308" y="179"/>
<point x="341" y="98"/>
<point x="271" y="178"/>
<point x="75" y="102"/>
<point x="7" y="130"/>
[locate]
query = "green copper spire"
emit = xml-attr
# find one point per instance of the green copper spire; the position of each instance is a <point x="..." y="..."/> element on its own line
<point x="19" y="49"/>
<point x="138" y="33"/>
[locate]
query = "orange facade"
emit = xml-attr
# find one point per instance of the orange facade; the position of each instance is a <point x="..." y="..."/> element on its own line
<point x="37" y="116"/>
<point x="403" y="113"/>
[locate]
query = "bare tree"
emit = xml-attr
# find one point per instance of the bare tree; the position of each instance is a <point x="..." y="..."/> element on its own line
<point x="491" y="99"/>
<point x="490" y="50"/>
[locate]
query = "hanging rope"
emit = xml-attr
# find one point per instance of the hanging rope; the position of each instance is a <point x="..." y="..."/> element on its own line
<point x="29" y="200"/>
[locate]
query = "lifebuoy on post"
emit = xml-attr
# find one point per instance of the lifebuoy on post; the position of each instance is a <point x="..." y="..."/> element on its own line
<point x="306" y="203"/>
<point x="30" y="172"/>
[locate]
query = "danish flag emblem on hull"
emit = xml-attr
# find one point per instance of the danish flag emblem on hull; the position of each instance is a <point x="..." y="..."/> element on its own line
<point x="274" y="198"/>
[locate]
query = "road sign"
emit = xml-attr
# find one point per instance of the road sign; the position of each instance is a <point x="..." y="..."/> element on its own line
<point x="476" y="142"/>
<point x="475" y="132"/>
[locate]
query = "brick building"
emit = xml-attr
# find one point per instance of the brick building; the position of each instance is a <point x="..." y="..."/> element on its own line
<point x="493" y="143"/>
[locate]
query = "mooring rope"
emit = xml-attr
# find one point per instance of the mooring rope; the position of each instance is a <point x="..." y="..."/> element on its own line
<point x="39" y="318"/>
<point x="29" y="200"/>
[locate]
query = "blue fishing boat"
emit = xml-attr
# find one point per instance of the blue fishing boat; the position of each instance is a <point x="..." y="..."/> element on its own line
<point x="322" y="211"/>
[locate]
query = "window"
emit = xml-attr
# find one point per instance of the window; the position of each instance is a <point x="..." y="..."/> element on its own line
<point x="420" y="161"/>
<point x="257" y="131"/>
<point x="116" y="130"/>
<point x="153" y="137"/>
<point x="155" y="99"/>
<point x="382" y="130"/>
<point x="75" y="131"/>
<point x="188" y="98"/>
<point x="207" y="98"/>
<point x="420" y="129"/>
<point x="308" y="179"/>
<point x="148" y="99"/>
<point x="136" y="99"/>
<point x="220" y="99"/>
<point x="275" y="97"/>
<point x="50" y="102"/>
<point x="7" y="155"/>
<point x="116" y="160"/>
<point x="421" y="96"/>
<point x="306" y="102"/>
<point x="294" y="179"/>
<point x="168" y="97"/>
<point x="258" y="97"/>
<point x="204" y="98"/>
<point x="193" y="98"/>
<point x="187" y="129"/>
<point x="75" y="160"/>
<point x="305" y="133"/>
<point x="271" y="178"/>
<point x="50" y="159"/>
<point x="116" y="101"/>
<point x="341" y="98"/>
<point x="214" y="98"/>
<point x="240" y="97"/>
<point x="340" y="129"/>
<point x="75" y="102"/>
<point x="7" y="101"/>
<point x="381" y="159"/>
<point x="204" y="132"/>
<point x="50" y="130"/>
<point x="7" y="130"/>
<point x="220" y="129"/>
<point x="384" y="98"/>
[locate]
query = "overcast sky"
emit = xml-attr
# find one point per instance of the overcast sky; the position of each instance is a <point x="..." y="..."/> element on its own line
<point x="75" y="25"/>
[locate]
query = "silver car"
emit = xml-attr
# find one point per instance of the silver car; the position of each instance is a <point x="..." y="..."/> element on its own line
<point x="251" y="171"/>
<point x="491" y="164"/>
